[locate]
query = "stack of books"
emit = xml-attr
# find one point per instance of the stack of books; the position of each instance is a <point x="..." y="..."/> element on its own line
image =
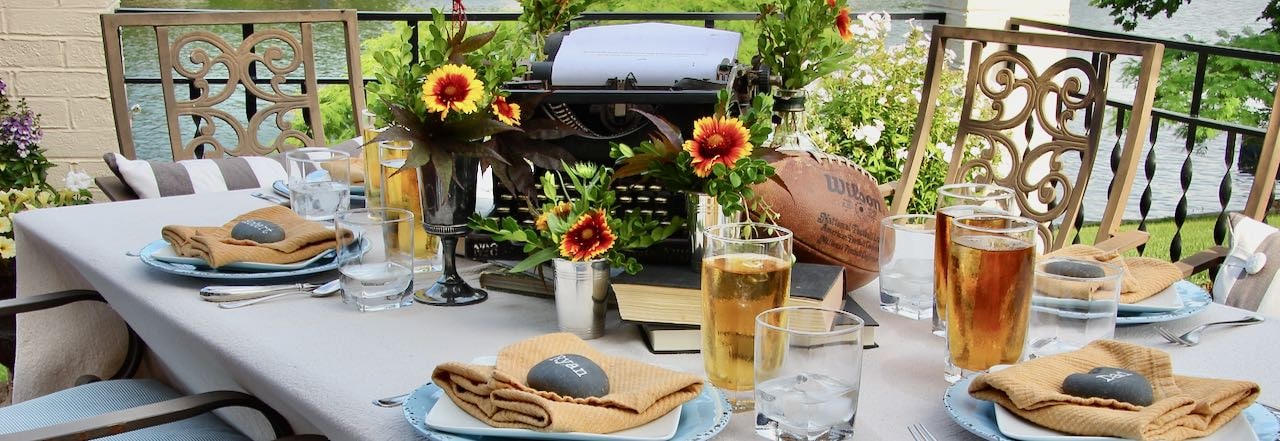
<point x="666" y="302"/>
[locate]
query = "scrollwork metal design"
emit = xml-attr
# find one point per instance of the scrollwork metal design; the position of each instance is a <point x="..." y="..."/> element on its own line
<point x="279" y="54"/>
<point x="1021" y="97"/>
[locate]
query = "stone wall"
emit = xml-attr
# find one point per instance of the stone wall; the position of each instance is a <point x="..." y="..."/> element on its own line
<point x="51" y="54"/>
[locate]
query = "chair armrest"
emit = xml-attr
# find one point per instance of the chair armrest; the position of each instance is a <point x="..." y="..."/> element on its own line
<point x="45" y="301"/>
<point x="888" y="188"/>
<point x="115" y="189"/>
<point x="133" y="354"/>
<point x="1123" y="241"/>
<point x="1201" y="261"/>
<point x="141" y="417"/>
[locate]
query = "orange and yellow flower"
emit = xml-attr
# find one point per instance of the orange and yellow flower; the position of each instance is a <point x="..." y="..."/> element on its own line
<point x="588" y="238"/>
<point x="452" y="87"/>
<point x="831" y="3"/>
<point x="560" y="210"/>
<point x="717" y="141"/>
<point x="843" y="23"/>
<point x="506" y="112"/>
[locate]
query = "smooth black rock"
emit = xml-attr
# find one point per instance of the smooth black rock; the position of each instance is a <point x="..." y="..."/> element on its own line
<point x="1069" y="268"/>
<point x="1107" y="382"/>
<point x="259" y="231"/>
<point x="570" y="375"/>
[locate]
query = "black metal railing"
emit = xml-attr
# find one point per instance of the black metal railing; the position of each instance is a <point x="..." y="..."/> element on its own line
<point x="1193" y="121"/>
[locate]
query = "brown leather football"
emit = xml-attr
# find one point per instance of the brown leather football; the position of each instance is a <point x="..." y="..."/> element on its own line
<point x="833" y="207"/>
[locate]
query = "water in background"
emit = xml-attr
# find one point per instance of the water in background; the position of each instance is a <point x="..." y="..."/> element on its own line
<point x="1199" y="19"/>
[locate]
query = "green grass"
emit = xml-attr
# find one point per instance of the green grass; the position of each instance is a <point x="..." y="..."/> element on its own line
<point x="1197" y="235"/>
<point x="4" y="374"/>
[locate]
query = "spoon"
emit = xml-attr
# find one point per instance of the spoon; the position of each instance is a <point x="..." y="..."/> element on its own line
<point x="395" y="401"/>
<point x="325" y="290"/>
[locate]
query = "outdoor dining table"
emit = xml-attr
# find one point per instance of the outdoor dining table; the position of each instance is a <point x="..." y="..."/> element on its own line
<point x="320" y="363"/>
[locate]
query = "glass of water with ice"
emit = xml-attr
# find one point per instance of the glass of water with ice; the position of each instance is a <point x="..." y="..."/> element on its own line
<point x="319" y="182"/>
<point x="906" y="265"/>
<point x="808" y="370"/>
<point x="382" y="277"/>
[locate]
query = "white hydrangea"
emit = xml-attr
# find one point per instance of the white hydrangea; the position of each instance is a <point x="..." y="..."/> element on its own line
<point x="945" y="149"/>
<point x="870" y="134"/>
<point x="77" y="180"/>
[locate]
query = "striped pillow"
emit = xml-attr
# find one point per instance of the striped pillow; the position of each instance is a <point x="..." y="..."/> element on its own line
<point x="1247" y="278"/>
<point x="150" y="179"/>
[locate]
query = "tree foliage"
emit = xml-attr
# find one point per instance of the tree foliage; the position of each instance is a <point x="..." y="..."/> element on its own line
<point x="1128" y="12"/>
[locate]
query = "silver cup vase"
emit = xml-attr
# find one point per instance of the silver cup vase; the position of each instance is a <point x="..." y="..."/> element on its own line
<point x="582" y="291"/>
<point x="704" y="211"/>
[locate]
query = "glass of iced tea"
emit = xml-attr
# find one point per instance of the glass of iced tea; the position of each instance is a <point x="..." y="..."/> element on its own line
<point x="991" y="268"/>
<point x="956" y="200"/>
<point x="746" y="270"/>
<point x="400" y="190"/>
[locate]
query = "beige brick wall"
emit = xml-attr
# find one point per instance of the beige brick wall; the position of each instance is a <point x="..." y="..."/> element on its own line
<point x="51" y="54"/>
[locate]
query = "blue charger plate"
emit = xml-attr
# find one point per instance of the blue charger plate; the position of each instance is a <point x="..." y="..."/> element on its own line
<point x="979" y="417"/>
<point x="325" y="264"/>
<point x="1194" y="301"/>
<point x="357" y="193"/>
<point x="700" y="418"/>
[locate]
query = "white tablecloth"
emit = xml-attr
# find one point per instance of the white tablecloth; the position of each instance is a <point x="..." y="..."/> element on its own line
<point x="320" y="363"/>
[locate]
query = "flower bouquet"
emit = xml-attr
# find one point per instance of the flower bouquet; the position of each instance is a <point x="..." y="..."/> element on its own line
<point x="795" y="43"/>
<point x="579" y="227"/>
<point x="543" y="17"/>
<point x="720" y="161"/>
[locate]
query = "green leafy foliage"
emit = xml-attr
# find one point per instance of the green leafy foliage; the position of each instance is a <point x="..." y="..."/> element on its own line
<point x="16" y="200"/>
<point x="868" y="114"/>
<point x="1235" y="90"/>
<point x="540" y="18"/>
<point x="1128" y="12"/>
<point x="577" y="192"/>
<point x="798" y="40"/>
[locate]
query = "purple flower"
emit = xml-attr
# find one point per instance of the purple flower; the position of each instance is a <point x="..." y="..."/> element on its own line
<point x="3" y="87"/>
<point x="21" y="130"/>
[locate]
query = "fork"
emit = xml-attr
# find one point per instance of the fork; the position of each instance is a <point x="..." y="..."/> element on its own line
<point x="1192" y="337"/>
<point x="920" y="433"/>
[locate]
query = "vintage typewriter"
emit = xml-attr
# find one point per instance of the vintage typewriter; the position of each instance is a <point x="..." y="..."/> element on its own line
<point x="592" y="80"/>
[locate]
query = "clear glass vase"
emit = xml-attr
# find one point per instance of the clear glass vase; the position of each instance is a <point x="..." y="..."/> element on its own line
<point x="789" y="134"/>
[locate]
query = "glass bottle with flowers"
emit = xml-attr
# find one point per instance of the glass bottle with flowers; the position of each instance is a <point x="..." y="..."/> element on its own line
<point x="449" y="105"/>
<point x="716" y="168"/>
<point x="796" y="42"/>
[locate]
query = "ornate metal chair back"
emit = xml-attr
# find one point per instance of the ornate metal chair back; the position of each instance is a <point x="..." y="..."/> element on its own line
<point x="227" y="97"/>
<point x="1034" y="130"/>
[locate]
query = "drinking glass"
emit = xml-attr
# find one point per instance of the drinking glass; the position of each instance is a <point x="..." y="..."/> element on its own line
<point x="382" y="277"/>
<point x="956" y="200"/>
<point x="746" y="269"/>
<point x="991" y="267"/>
<point x="1074" y="302"/>
<point x="808" y="371"/>
<point x="906" y="265"/>
<point x="372" y="178"/>
<point x="319" y="182"/>
<point x="400" y="190"/>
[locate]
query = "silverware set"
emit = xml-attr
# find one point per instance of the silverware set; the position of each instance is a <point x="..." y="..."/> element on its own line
<point x="920" y="433"/>
<point x="1192" y="337"/>
<point x="272" y="198"/>
<point x="231" y="297"/>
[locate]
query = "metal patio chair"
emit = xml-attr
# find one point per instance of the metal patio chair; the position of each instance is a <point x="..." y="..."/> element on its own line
<point x="131" y="409"/>
<point x="273" y="67"/>
<point x="1040" y="125"/>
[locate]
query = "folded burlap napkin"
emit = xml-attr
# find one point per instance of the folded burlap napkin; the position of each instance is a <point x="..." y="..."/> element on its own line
<point x="498" y="395"/>
<point x="1144" y="276"/>
<point x="1184" y="407"/>
<point x="303" y="240"/>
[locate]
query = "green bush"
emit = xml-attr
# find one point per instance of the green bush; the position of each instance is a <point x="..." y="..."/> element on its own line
<point x="868" y="113"/>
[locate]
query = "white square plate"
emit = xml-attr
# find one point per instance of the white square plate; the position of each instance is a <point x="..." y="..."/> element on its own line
<point x="1015" y="427"/>
<point x="1164" y="301"/>
<point x="447" y="416"/>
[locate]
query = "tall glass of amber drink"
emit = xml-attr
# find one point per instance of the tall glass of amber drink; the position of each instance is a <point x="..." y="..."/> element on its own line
<point x="991" y="268"/>
<point x="400" y="190"/>
<point x="369" y="155"/>
<point x="956" y="200"/>
<point x="746" y="269"/>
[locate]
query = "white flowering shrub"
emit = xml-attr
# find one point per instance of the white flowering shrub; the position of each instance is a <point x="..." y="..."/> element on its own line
<point x="868" y="112"/>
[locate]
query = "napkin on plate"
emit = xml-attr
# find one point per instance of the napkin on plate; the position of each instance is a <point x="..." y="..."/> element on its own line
<point x="1185" y="407"/>
<point x="303" y="240"/>
<point x="1143" y="278"/>
<point x="498" y="396"/>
